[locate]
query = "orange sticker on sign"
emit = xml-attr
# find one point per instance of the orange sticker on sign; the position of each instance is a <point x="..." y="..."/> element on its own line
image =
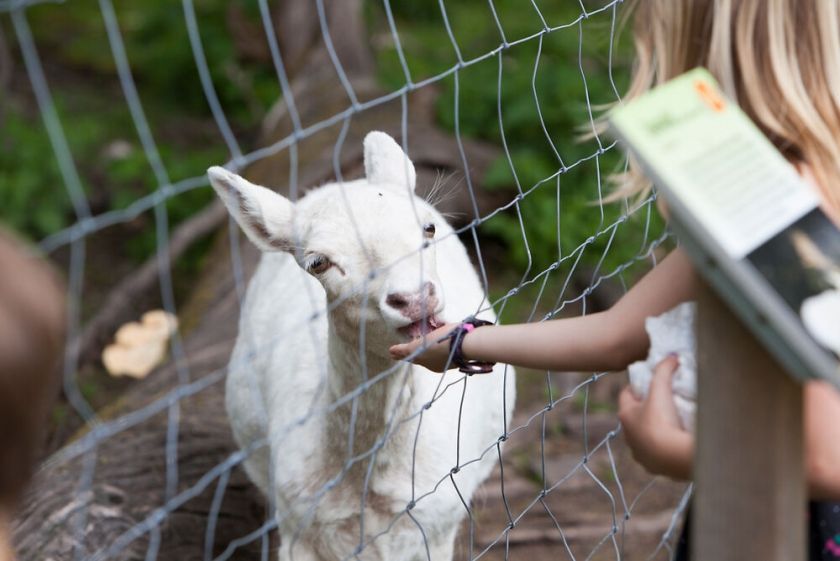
<point x="709" y="95"/>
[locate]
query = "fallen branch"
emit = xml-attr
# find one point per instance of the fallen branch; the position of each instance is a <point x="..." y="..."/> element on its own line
<point x="119" y="307"/>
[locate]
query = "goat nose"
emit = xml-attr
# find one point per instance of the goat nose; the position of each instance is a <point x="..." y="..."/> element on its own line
<point x="414" y="304"/>
<point x="400" y="300"/>
<point x="397" y="300"/>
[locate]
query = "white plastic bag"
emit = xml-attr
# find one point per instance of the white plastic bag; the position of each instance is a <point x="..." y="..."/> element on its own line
<point x="672" y="332"/>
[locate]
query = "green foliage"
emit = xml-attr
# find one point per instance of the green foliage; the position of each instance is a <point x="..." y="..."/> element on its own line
<point x="32" y="192"/>
<point x="570" y="73"/>
<point x="158" y="48"/>
<point x="95" y="117"/>
<point x="29" y="180"/>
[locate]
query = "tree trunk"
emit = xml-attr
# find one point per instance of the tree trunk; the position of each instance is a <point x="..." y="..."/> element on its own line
<point x="299" y="31"/>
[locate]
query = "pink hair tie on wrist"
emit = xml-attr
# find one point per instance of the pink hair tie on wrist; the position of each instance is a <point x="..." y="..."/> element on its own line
<point x="456" y="355"/>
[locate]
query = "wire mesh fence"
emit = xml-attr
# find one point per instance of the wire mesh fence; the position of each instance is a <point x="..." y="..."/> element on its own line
<point x="560" y="481"/>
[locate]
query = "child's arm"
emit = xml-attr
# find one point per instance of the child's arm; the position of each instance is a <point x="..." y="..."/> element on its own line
<point x="607" y="340"/>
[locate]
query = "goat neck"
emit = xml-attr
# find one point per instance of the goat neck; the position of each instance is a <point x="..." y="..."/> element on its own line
<point x="379" y="407"/>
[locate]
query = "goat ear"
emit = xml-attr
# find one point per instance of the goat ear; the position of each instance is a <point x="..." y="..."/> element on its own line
<point x="265" y="216"/>
<point x="386" y="163"/>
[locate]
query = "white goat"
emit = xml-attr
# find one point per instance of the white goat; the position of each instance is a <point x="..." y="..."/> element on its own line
<point x="347" y="271"/>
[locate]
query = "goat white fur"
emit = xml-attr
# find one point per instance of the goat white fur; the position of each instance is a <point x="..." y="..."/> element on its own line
<point x="347" y="271"/>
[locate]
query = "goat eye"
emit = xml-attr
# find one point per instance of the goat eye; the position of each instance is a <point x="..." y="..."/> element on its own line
<point x="318" y="264"/>
<point x="429" y="230"/>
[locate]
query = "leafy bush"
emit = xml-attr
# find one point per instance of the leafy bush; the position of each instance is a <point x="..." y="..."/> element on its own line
<point x="95" y="117"/>
<point x="571" y="77"/>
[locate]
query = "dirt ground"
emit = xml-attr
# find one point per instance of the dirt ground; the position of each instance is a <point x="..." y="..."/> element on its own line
<point x="585" y="501"/>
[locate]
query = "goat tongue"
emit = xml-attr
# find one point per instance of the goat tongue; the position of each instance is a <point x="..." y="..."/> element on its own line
<point x="420" y="328"/>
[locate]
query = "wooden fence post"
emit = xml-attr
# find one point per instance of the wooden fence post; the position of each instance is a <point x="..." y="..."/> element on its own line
<point x="750" y="494"/>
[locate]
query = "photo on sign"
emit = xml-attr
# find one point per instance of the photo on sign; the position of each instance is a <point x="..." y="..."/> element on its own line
<point x="802" y="263"/>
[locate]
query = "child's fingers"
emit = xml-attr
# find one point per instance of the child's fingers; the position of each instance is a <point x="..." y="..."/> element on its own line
<point x="627" y="397"/>
<point x="628" y="403"/>
<point x="399" y="352"/>
<point x="661" y="382"/>
<point x="440" y="334"/>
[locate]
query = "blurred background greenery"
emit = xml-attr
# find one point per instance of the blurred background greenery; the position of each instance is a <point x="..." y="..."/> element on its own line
<point x="574" y="81"/>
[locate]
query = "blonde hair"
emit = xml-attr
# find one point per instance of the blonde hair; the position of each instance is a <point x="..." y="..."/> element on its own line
<point x="779" y="59"/>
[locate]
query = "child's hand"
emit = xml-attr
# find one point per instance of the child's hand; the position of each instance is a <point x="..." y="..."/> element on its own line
<point x="436" y="355"/>
<point x="652" y="427"/>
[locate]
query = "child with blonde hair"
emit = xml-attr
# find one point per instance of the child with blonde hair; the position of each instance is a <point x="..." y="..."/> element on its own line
<point x="780" y="60"/>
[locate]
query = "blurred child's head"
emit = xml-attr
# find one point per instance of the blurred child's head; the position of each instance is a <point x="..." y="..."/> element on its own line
<point x="31" y="340"/>
<point x="780" y="59"/>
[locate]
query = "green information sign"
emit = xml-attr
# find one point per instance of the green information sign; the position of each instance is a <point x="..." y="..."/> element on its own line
<point x="751" y="224"/>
